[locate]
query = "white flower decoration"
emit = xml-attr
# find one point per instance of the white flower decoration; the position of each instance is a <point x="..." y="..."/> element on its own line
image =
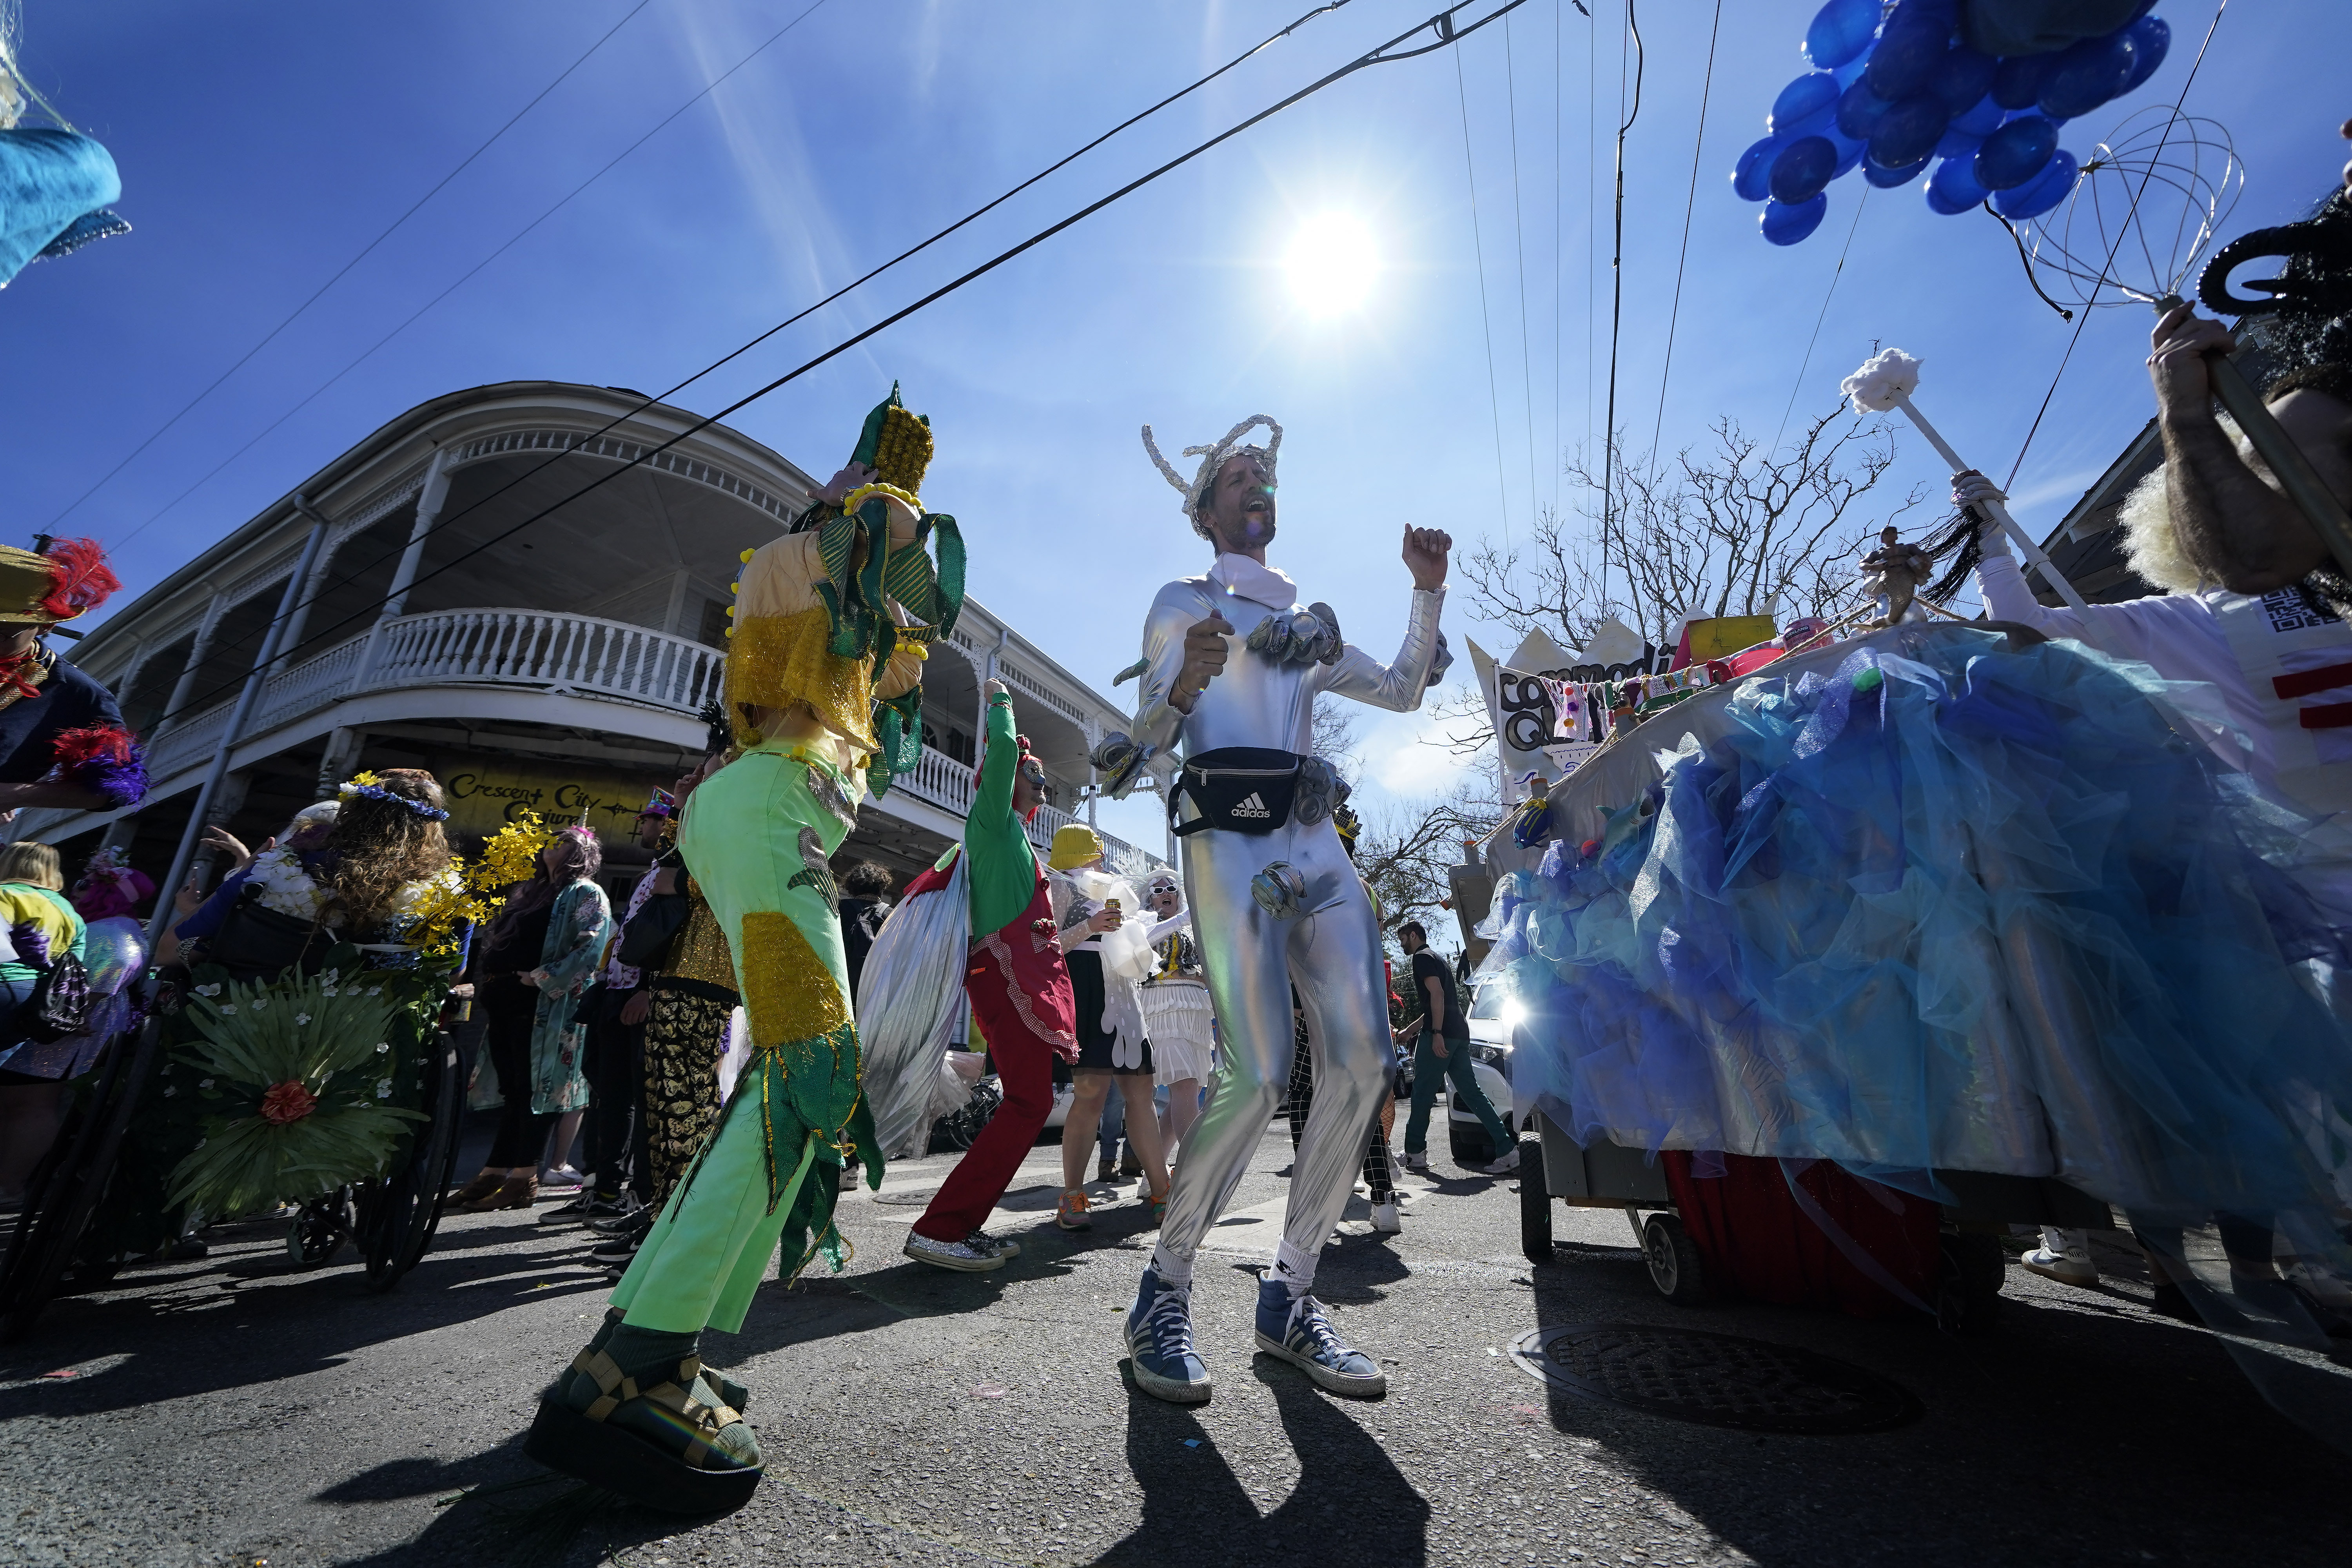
<point x="212" y="989"/>
<point x="203" y="1083"/>
<point x="228" y="1007"/>
<point x="259" y="1003"/>
<point x="384" y="1089"/>
<point x="328" y="991"/>
<point x="300" y="1019"/>
<point x="382" y="1047"/>
<point x="168" y="1093"/>
<point x="376" y="990"/>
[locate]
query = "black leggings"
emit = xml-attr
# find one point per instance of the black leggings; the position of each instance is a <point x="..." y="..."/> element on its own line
<point x="523" y="1135"/>
<point x="1301" y="1099"/>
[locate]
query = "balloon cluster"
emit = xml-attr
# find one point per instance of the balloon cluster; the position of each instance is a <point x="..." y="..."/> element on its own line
<point x="1891" y="95"/>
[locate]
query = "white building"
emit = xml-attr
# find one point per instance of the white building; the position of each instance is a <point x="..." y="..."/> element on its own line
<point x="554" y="662"/>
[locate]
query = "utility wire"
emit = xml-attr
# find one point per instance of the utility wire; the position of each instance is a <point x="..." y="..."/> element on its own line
<point x="1689" y="205"/>
<point x="365" y="251"/>
<point x="320" y="390"/>
<point x="2084" y="316"/>
<point x="1519" y="237"/>
<point x="584" y="441"/>
<point x="1806" y="364"/>
<point x="1494" y="400"/>
<point x="1448" y="34"/>
<point x="1617" y="278"/>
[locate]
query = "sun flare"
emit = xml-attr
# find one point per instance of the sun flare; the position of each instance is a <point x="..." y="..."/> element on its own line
<point x="1332" y="262"/>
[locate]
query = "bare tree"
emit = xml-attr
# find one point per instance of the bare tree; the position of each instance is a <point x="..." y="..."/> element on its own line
<point x="1403" y="853"/>
<point x="1738" y="531"/>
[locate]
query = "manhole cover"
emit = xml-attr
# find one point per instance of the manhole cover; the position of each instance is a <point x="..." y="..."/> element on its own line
<point x="1716" y="1379"/>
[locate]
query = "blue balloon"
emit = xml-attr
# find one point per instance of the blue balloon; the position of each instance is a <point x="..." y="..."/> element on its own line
<point x="2042" y="192"/>
<point x="1849" y="150"/>
<point x="1908" y="55"/>
<point x="1952" y="188"/>
<point x="2016" y="153"/>
<point x="1979" y="119"/>
<point x="1803" y="167"/>
<point x="1803" y="101"/>
<point x="1964" y="76"/>
<point x="2151" y="39"/>
<point x="1908" y="131"/>
<point x="1751" y="178"/>
<point x="1840" y="31"/>
<point x="1858" y="110"/>
<point x="1892" y="179"/>
<point x="2087" y="74"/>
<point x="1785" y="223"/>
<point x="1958" y="143"/>
<point x="2017" y="83"/>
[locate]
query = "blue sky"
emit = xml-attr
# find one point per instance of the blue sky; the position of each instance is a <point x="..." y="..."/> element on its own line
<point x="262" y="145"/>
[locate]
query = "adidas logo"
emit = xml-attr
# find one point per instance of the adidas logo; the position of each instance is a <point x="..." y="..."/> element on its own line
<point x="1253" y="806"/>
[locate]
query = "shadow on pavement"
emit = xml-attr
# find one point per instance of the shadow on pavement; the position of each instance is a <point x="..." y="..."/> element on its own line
<point x="1352" y="1503"/>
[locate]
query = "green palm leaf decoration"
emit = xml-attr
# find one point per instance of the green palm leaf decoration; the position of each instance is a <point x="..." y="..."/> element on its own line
<point x="306" y="1074"/>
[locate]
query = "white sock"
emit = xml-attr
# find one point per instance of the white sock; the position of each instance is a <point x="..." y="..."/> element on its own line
<point x="1295" y="1268"/>
<point x="1171" y="1269"/>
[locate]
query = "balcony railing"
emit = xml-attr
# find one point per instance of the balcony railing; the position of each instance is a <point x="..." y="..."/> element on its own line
<point x="566" y="655"/>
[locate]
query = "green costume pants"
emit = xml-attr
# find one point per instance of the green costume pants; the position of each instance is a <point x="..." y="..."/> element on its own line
<point x="757" y="838"/>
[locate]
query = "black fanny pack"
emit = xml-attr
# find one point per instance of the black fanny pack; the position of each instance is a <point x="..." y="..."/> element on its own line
<point x="1252" y="789"/>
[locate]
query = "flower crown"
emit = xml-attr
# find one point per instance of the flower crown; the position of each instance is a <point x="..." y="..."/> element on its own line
<point x="371" y="786"/>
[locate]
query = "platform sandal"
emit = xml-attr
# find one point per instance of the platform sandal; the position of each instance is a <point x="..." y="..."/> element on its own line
<point x="587" y="1444"/>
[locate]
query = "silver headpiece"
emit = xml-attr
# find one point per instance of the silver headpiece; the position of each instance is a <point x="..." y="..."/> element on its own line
<point x="1212" y="458"/>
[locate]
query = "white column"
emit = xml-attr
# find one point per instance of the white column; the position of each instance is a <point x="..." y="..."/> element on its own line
<point x="201" y="645"/>
<point x="429" y="501"/>
<point x="316" y="579"/>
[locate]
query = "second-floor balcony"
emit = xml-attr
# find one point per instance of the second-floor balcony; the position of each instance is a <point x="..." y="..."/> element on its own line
<point x="669" y="678"/>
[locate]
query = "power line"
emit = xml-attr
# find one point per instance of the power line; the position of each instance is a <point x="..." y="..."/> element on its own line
<point x="2083" y="319"/>
<point x="1519" y="237"/>
<point x="1448" y="34"/>
<point x="1617" y="275"/>
<point x="1689" y="205"/>
<point x="516" y="239"/>
<point x="1593" y="219"/>
<point x="1559" y="257"/>
<point x="1806" y="364"/>
<point x="452" y="518"/>
<point x="1494" y="400"/>
<point x="365" y="251"/>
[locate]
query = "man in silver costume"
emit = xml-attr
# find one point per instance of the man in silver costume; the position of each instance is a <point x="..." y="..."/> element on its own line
<point x="1232" y="666"/>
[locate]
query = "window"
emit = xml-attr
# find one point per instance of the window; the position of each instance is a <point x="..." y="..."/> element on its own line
<point x="1490" y="999"/>
<point x="714" y="624"/>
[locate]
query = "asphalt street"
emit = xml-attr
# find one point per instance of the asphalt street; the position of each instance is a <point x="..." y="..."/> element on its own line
<point x="230" y="1411"/>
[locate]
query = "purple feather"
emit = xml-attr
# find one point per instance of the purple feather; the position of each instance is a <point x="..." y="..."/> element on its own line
<point x="122" y="784"/>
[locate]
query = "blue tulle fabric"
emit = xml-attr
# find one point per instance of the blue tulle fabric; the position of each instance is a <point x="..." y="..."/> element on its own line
<point x="1951" y="908"/>
<point x="53" y="189"/>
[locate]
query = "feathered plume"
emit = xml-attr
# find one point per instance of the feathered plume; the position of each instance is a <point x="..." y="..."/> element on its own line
<point x="104" y="759"/>
<point x="79" y="578"/>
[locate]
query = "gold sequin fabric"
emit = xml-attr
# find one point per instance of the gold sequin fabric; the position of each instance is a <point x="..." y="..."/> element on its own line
<point x="685" y="1035"/>
<point x="789" y="993"/>
<point x="775" y="662"/>
<point x="700" y="950"/>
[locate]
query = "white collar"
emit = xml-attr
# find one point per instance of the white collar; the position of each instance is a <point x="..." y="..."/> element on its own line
<point x="1260" y="585"/>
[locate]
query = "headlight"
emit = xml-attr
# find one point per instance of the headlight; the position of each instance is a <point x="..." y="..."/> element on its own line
<point x="1496" y="1057"/>
<point x="1513" y="1014"/>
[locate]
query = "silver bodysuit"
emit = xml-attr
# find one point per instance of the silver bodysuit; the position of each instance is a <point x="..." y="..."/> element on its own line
<point x="1252" y="960"/>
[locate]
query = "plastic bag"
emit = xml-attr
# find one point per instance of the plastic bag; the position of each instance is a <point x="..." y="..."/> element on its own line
<point x="909" y="1006"/>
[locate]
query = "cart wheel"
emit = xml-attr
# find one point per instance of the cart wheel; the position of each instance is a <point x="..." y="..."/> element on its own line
<point x="397" y="1219"/>
<point x="67" y="1184"/>
<point x="1535" y="1203"/>
<point x="1967" y="1287"/>
<point x="321" y="1228"/>
<point x="1674" y="1262"/>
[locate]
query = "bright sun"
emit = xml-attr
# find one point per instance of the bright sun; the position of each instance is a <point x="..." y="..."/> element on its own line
<point x="1331" y="262"/>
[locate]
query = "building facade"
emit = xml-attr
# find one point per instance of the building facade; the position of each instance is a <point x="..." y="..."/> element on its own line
<point x="468" y="612"/>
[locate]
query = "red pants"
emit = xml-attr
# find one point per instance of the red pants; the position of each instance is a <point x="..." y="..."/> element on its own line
<point x="1025" y="1070"/>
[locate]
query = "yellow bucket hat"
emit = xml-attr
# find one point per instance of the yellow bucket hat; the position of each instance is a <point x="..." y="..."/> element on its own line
<point x="1073" y="846"/>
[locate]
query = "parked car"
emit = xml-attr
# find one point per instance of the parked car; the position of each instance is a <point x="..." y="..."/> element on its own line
<point x="1494" y="1015"/>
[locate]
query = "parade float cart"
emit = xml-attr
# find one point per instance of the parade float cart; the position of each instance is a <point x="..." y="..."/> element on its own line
<point x="1693" y="1087"/>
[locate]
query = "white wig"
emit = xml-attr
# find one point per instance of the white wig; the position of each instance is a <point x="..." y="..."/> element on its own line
<point x="2152" y="545"/>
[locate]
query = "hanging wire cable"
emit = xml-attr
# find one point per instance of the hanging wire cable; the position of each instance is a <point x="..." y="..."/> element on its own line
<point x="1519" y="237"/>
<point x="1592" y="221"/>
<point x="1494" y="401"/>
<point x="1389" y="53"/>
<point x="364" y="252"/>
<point x="2083" y="317"/>
<point x="1617" y="283"/>
<point x="589" y="440"/>
<point x="1806" y="364"/>
<point x="369" y="353"/>
<point x="1690" y="204"/>
<point x="1559" y="257"/>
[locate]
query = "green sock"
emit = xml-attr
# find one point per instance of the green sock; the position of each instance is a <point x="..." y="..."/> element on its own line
<point x="650" y="1357"/>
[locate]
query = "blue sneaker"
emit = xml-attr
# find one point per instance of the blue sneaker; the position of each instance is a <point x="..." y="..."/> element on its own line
<point x="1294" y="1328"/>
<point x="1160" y="1343"/>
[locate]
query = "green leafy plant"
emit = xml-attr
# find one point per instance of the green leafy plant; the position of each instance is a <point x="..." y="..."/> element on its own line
<point x="301" y="1078"/>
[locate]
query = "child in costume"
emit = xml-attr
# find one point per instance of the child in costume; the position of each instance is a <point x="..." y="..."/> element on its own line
<point x="1020" y="992"/>
<point x="1233" y="665"/>
<point x="831" y="625"/>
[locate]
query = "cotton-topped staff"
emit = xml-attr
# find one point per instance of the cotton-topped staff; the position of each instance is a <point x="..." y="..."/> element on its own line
<point x="1886" y="383"/>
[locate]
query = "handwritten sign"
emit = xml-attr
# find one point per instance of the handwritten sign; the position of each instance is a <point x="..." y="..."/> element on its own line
<point x="484" y="795"/>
